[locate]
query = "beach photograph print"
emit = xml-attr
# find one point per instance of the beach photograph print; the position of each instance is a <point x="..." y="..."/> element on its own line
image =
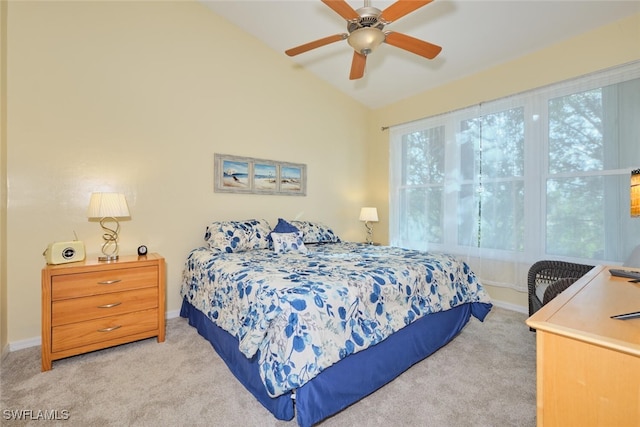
<point x="265" y="177"/>
<point x="290" y="179"/>
<point x="235" y="174"/>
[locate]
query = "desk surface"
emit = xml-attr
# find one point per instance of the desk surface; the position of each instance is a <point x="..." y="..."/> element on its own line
<point x="584" y="310"/>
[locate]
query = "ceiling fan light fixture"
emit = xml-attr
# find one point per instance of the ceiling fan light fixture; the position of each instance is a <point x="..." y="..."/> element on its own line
<point x="366" y="40"/>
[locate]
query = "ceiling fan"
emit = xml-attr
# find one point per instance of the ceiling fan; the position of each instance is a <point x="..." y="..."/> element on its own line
<point x="365" y="32"/>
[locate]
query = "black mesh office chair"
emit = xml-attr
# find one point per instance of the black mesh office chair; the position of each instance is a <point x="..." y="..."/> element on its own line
<point x="548" y="278"/>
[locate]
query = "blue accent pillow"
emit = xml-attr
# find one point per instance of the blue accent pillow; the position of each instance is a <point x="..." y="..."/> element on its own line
<point x="284" y="227"/>
<point x="281" y="227"/>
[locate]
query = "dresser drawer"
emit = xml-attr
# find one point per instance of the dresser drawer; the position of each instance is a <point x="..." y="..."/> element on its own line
<point x="104" y="329"/>
<point x="96" y="306"/>
<point x="100" y="282"/>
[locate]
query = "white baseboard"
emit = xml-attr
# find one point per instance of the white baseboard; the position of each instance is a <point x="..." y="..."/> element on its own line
<point x="22" y="344"/>
<point x="510" y="306"/>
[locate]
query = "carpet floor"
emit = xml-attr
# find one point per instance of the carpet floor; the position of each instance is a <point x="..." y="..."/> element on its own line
<point x="485" y="377"/>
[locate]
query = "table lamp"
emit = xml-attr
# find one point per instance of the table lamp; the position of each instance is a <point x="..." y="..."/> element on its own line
<point x="108" y="207"/>
<point x="634" y="195"/>
<point x="635" y="192"/>
<point x="369" y="215"/>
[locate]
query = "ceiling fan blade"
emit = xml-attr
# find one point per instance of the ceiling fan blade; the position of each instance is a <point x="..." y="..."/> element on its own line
<point x="401" y="8"/>
<point x="357" y="66"/>
<point x="315" y="44"/>
<point x="342" y="8"/>
<point x="413" y="45"/>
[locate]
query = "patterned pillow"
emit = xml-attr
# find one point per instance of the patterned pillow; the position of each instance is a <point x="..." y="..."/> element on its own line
<point x="281" y="227"/>
<point x="315" y="232"/>
<point x="288" y="242"/>
<point x="238" y="236"/>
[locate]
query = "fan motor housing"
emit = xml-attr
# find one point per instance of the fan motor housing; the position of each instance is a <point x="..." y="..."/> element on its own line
<point x="369" y="17"/>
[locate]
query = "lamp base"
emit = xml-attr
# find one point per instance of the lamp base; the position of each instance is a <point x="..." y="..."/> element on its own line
<point x="369" y="228"/>
<point x="110" y="236"/>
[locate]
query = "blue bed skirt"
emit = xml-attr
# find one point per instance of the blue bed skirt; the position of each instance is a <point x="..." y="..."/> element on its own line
<point x="348" y="381"/>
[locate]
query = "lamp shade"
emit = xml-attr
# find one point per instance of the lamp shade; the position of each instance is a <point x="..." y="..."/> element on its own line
<point x="365" y="40"/>
<point x="369" y="214"/>
<point x="104" y="205"/>
<point x="635" y="192"/>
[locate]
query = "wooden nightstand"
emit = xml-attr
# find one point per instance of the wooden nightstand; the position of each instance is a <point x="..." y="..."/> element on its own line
<point x="91" y="305"/>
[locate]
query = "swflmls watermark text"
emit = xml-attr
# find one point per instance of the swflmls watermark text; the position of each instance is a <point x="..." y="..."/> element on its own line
<point x="36" y="414"/>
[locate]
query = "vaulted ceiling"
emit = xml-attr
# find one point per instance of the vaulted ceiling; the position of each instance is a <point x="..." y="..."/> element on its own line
<point x="474" y="35"/>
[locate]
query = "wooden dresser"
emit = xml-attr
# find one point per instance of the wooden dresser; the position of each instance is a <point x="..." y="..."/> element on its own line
<point x="588" y="365"/>
<point x="91" y="305"/>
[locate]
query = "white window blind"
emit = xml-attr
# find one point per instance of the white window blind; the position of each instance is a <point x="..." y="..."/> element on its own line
<point x="542" y="174"/>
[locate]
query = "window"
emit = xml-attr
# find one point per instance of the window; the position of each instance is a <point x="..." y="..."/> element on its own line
<point x="491" y="196"/>
<point x="421" y="195"/>
<point x="540" y="174"/>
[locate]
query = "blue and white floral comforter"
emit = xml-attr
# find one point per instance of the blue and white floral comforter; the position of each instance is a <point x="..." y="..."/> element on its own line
<point x="301" y="313"/>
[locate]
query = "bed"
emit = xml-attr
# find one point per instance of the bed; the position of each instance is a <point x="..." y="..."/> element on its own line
<point x="310" y="324"/>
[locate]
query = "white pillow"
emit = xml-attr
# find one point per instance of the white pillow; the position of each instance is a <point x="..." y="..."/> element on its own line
<point x="288" y="242"/>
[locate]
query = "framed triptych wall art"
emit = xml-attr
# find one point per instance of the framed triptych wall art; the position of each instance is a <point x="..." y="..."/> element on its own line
<point x="234" y="174"/>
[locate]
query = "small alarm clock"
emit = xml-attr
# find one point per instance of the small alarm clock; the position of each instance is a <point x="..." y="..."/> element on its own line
<point x="142" y="250"/>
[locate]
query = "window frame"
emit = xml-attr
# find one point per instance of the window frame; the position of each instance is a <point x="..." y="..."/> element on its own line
<point x="536" y="165"/>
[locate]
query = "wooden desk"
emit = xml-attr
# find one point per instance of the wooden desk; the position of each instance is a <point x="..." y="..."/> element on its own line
<point x="588" y="365"/>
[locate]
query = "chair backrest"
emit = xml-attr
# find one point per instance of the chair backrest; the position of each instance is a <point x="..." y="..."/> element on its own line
<point x="634" y="258"/>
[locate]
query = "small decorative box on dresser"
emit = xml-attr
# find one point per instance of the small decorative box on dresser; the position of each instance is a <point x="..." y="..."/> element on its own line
<point x="91" y="305"/>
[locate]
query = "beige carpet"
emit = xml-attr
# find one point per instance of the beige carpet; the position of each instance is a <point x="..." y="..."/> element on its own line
<point x="484" y="377"/>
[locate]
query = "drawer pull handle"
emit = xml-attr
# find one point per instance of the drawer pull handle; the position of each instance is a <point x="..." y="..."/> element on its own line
<point x="113" y="328"/>
<point x="109" y="282"/>
<point x="113" y="304"/>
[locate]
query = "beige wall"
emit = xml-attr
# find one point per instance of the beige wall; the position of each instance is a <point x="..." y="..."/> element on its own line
<point x="137" y="97"/>
<point x="609" y="46"/>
